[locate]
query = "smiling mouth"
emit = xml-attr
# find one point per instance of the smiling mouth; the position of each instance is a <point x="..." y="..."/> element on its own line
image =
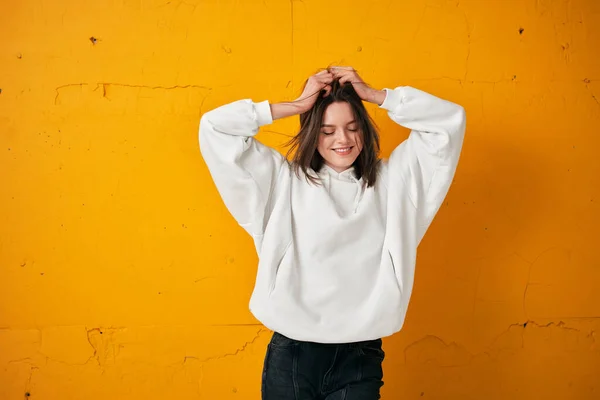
<point x="343" y="150"/>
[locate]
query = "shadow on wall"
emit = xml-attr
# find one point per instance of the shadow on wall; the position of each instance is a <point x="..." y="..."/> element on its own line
<point x="474" y="272"/>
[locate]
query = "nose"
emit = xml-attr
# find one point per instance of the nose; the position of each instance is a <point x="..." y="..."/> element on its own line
<point x="342" y="136"/>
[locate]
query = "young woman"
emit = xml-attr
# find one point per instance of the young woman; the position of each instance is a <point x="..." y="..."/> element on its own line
<point x="336" y="228"/>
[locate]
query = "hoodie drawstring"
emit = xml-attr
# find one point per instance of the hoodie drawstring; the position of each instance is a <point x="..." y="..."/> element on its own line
<point x="360" y="188"/>
<point x="359" y="194"/>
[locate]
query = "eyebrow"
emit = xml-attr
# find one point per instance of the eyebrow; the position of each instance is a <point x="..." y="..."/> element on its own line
<point x="333" y="126"/>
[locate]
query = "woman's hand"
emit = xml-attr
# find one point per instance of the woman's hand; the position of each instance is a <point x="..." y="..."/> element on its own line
<point x="315" y="84"/>
<point x="364" y="91"/>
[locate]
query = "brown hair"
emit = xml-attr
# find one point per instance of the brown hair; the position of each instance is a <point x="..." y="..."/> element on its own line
<point x="306" y="141"/>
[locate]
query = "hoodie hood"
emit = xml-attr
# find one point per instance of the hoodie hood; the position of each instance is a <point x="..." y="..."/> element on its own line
<point x="330" y="176"/>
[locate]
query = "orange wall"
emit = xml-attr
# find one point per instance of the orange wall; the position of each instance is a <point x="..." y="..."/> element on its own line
<point x="122" y="275"/>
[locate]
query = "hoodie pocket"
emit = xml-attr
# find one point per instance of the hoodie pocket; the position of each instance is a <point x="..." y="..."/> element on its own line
<point x="396" y="273"/>
<point x="282" y="261"/>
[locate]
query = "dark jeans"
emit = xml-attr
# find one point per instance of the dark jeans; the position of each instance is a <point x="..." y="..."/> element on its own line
<point x="297" y="370"/>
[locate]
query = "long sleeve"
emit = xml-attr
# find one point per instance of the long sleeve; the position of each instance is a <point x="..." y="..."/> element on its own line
<point x="244" y="170"/>
<point x="426" y="161"/>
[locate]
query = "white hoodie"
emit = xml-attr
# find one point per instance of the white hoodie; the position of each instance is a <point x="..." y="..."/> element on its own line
<point x="336" y="260"/>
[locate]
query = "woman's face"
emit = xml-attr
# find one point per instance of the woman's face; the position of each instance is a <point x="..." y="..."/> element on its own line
<point x="340" y="141"/>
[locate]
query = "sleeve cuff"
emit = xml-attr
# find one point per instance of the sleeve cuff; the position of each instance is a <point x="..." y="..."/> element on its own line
<point x="393" y="98"/>
<point x="263" y="113"/>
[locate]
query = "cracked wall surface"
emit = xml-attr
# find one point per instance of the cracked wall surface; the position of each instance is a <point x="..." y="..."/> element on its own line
<point x="123" y="276"/>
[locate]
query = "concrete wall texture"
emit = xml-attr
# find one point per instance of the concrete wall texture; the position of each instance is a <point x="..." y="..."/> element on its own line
<point x="123" y="276"/>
